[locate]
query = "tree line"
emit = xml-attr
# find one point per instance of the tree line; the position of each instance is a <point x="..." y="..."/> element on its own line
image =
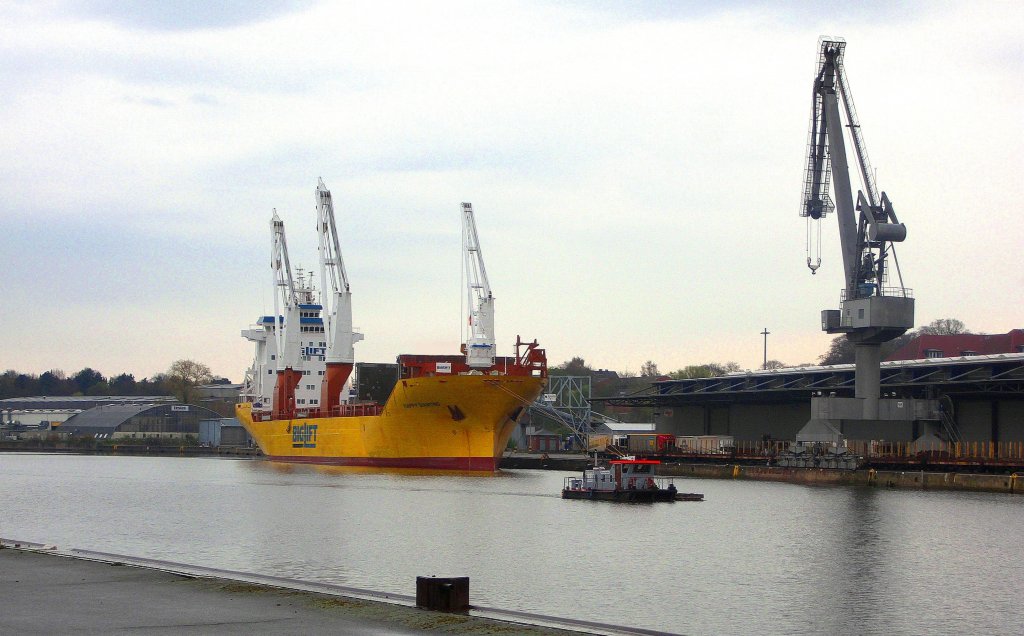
<point x="841" y="351"/>
<point x="179" y="380"/>
<point x="649" y="370"/>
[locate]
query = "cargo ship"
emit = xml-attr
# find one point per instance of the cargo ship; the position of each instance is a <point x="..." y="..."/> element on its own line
<point x="449" y="412"/>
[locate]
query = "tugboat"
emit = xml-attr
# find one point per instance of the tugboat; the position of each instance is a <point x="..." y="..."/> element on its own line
<point x="626" y="479"/>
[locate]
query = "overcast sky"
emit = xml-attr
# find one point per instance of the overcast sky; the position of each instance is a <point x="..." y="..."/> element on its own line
<point x="635" y="168"/>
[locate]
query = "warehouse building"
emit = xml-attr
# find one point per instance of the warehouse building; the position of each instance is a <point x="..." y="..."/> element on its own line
<point x="137" y="421"/>
<point x="983" y="396"/>
<point x="31" y="411"/>
<point x="224" y="431"/>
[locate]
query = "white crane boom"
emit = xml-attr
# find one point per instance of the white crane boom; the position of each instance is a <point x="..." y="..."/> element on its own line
<point x="287" y="334"/>
<point x="480" y="347"/>
<point x="336" y="301"/>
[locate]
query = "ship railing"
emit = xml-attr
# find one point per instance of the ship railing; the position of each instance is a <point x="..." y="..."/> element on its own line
<point x="642" y="482"/>
<point x="343" y="410"/>
<point x="629" y="483"/>
<point x="351" y="410"/>
<point x="573" y="483"/>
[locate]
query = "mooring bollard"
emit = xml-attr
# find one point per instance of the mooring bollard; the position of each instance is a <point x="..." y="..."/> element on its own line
<point x="444" y="594"/>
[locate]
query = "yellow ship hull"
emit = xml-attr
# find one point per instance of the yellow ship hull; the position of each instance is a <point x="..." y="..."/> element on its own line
<point x="456" y="422"/>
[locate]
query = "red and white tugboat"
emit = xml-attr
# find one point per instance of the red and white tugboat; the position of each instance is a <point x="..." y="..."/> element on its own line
<point x="625" y="479"/>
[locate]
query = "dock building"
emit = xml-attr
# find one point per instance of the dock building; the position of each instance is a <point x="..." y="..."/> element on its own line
<point x="982" y="395"/>
<point x="137" y="421"/>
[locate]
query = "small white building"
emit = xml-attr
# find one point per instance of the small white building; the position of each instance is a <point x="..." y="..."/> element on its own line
<point x="37" y="418"/>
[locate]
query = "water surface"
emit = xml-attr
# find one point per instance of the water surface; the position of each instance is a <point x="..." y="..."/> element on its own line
<point x="755" y="557"/>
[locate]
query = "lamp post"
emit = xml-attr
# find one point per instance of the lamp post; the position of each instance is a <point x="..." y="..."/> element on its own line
<point x="765" y="334"/>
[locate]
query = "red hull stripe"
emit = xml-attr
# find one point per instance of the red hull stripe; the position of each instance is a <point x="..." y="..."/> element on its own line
<point x="436" y="463"/>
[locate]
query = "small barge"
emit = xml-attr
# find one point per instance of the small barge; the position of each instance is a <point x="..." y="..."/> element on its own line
<point x="625" y="479"/>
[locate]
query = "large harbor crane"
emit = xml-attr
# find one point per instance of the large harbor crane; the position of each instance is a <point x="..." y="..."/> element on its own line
<point x="480" y="347"/>
<point x="337" y="305"/>
<point x="873" y="307"/>
<point x="287" y="334"/>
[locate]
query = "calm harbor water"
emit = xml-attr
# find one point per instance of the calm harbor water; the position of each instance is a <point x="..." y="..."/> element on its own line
<point x="753" y="558"/>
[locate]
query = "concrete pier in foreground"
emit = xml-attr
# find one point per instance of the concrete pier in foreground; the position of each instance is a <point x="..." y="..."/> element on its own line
<point x="44" y="593"/>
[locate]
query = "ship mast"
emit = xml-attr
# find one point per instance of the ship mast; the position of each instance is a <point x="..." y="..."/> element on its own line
<point x="286" y="334"/>
<point x="480" y="339"/>
<point x="337" y="305"/>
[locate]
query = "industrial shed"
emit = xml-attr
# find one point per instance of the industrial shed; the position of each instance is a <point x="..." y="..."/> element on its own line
<point x="137" y="421"/>
<point x="225" y="431"/>
<point x="541" y="440"/>
<point x="983" y="395"/>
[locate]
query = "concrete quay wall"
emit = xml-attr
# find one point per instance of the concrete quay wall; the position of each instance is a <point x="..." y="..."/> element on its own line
<point x="879" y="478"/>
<point x="159" y="597"/>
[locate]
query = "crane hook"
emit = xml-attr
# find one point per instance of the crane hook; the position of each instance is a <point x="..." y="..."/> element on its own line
<point x="813" y="266"/>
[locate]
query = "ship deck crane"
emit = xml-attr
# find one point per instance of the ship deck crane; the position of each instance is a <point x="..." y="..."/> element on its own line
<point x="337" y="305"/>
<point x="480" y="347"/>
<point x="873" y="310"/>
<point x="287" y="334"/>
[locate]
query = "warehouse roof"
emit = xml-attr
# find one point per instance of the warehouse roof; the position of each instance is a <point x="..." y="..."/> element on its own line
<point x="107" y="418"/>
<point x="81" y="401"/>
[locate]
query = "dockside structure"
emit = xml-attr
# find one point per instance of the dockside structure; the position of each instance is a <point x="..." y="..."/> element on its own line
<point x="982" y="396"/>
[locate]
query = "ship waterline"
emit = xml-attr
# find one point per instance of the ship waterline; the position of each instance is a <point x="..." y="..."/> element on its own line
<point x="456" y="422"/>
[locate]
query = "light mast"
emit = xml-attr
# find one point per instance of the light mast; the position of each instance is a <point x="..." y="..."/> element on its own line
<point x="480" y="346"/>
<point x="337" y="305"/>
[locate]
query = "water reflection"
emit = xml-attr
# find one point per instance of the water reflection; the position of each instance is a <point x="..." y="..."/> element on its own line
<point x="299" y="468"/>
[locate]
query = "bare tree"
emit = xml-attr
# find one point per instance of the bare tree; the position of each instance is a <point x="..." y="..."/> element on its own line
<point x="840" y="351"/>
<point x="575" y="366"/>
<point x="184" y="376"/>
<point x="649" y="370"/>
<point x="943" y="327"/>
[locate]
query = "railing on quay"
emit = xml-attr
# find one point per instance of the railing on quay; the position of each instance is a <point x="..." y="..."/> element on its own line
<point x="978" y="453"/>
<point x="983" y="452"/>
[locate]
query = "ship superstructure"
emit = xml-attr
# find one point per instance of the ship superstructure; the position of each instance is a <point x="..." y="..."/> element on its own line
<point x="260" y="378"/>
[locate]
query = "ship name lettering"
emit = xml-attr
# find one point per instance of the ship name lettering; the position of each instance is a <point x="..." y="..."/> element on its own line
<point x="419" y="405"/>
<point x="304" y="436"/>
